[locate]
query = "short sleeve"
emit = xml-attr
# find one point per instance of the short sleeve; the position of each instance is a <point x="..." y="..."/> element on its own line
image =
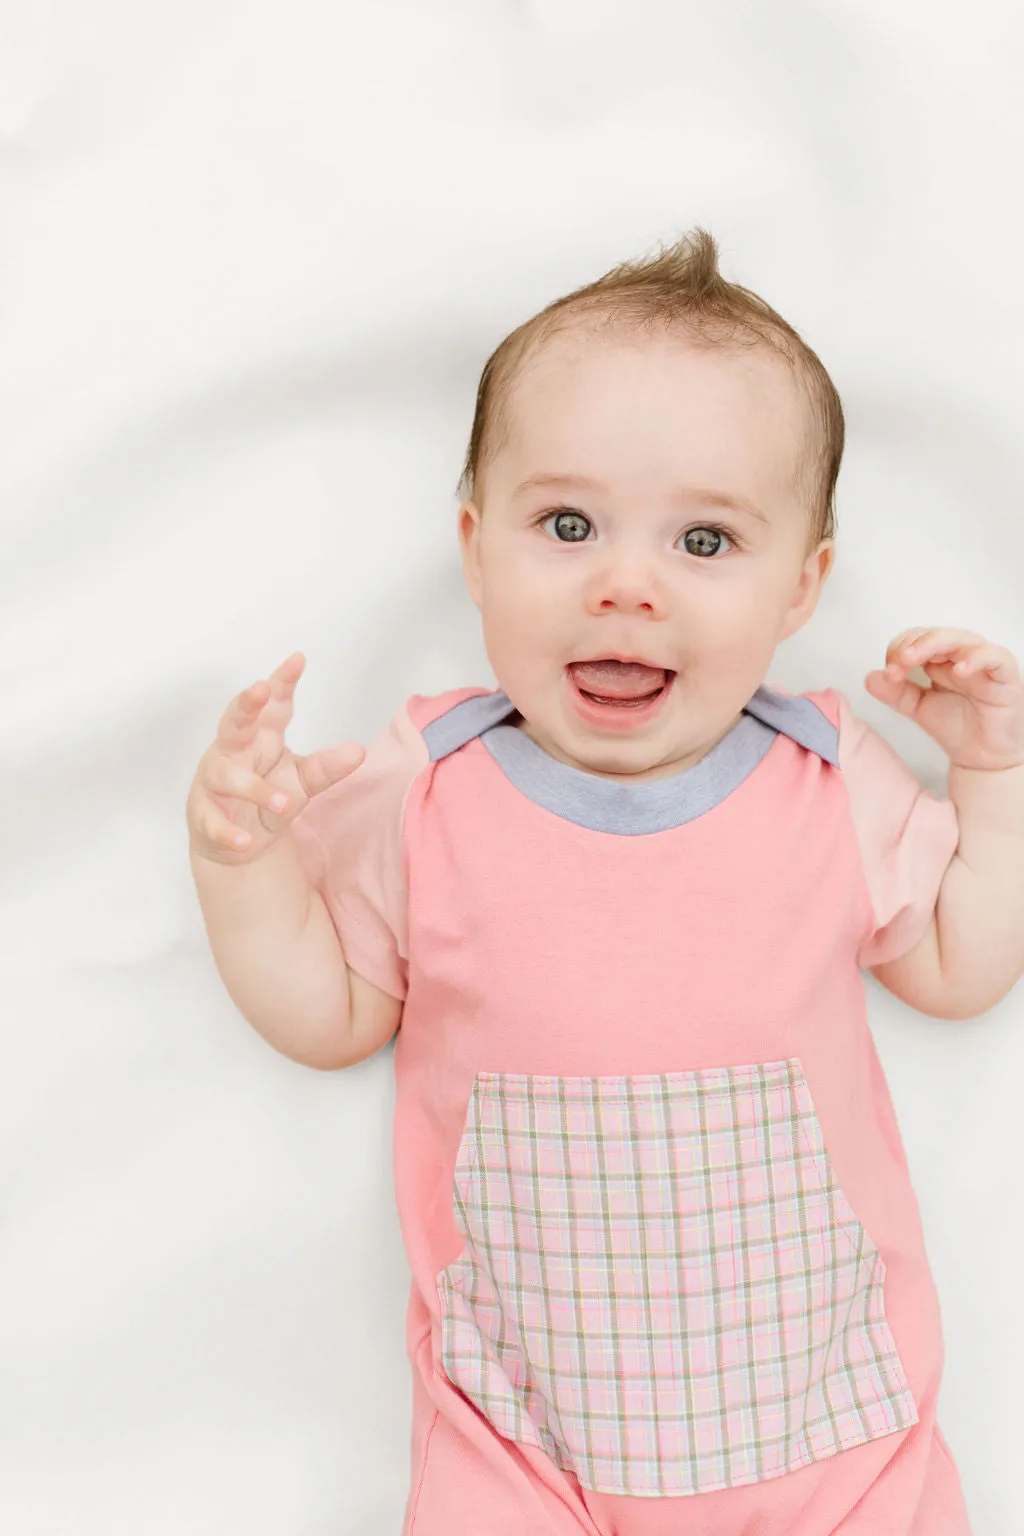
<point x="907" y="838"/>
<point x="349" y="840"/>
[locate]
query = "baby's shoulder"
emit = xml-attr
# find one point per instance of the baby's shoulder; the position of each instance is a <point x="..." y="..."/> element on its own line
<point x="828" y="702"/>
<point x="425" y="709"/>
<point x="874" y="772"/>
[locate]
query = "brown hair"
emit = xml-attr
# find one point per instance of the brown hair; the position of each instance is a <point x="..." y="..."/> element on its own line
<point x="678" y="289"/>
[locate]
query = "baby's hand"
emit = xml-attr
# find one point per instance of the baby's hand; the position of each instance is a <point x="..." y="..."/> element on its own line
<point x="974" y="706"/>
<point x="248" y="785"/>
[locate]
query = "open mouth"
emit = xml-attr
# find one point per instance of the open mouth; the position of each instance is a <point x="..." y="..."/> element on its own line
<point x="613" y="687"/>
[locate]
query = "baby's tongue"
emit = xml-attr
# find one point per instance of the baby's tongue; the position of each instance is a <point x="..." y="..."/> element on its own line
<point x="617" y="679"/>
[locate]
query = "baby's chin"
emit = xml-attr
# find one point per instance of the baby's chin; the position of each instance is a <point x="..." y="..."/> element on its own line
<point x="669" y="744"/>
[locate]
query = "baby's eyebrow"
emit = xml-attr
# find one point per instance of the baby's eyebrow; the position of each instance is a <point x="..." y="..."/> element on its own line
<point x="686" y="495"/>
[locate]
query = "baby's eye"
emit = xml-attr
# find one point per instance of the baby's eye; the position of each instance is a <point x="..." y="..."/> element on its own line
<point x="568" y="519"/>
<point x="705" y="540"/>
<point x="571" y="528"/>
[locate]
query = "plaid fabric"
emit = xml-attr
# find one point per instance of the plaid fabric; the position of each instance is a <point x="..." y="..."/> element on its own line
<point x="661" y="1284"/>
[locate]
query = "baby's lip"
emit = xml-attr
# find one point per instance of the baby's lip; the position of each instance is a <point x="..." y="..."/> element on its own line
<point x="642" y="661"/>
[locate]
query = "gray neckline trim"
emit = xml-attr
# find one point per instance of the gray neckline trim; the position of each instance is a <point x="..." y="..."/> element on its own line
<point x="604" y="805"/>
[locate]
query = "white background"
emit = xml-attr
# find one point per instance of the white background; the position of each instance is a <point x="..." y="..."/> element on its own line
<point x="252" y="260"/>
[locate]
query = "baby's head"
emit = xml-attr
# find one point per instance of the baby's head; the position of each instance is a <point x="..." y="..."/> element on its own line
<point x="650" y="476"/>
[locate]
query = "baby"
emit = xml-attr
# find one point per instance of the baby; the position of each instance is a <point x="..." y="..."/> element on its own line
<point x="668" y="1271"/>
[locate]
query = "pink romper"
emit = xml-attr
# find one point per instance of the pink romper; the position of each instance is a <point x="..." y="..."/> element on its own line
<point x="668" y="1270"/>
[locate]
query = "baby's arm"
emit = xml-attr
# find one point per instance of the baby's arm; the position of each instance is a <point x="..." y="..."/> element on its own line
<point x="276" y="946"/>
<point x="972" y="953"/>
<point x="280" y="958"/>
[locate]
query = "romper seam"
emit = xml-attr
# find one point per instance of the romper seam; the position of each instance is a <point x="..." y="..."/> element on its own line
<point x="423" y="1471"/>
<point x="873" y="925"/>
<point x="866" y="899"/>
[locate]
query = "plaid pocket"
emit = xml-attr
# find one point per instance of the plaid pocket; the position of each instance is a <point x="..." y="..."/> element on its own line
<point x="661" y="1284"/>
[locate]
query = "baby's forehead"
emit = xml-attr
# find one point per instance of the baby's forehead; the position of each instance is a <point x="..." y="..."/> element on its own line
<point x="560" y="364"/>
<point x="654" y="376"/>
<point x="733" y="410"/>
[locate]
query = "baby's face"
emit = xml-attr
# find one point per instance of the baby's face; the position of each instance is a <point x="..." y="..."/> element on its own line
<point x="632" y="567"/>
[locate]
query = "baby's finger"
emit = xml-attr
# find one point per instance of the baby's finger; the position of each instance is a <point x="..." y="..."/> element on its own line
<point x="319" y="770"/>
<point x="287" y="675"/>
<point x="934" y="645"/>
<point x="218" y="829"/>
<point x="999" y="663"/>
<point x="226" y="777"/>
<point x="240" y="721"/>
<point x="283" y="680"/>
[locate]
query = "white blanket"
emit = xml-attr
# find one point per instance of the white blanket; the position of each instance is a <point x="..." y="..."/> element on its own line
<point x="253" y="259"/>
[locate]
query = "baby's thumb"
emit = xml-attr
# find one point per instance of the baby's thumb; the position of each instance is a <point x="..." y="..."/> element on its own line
<point x="319" y="770"/>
